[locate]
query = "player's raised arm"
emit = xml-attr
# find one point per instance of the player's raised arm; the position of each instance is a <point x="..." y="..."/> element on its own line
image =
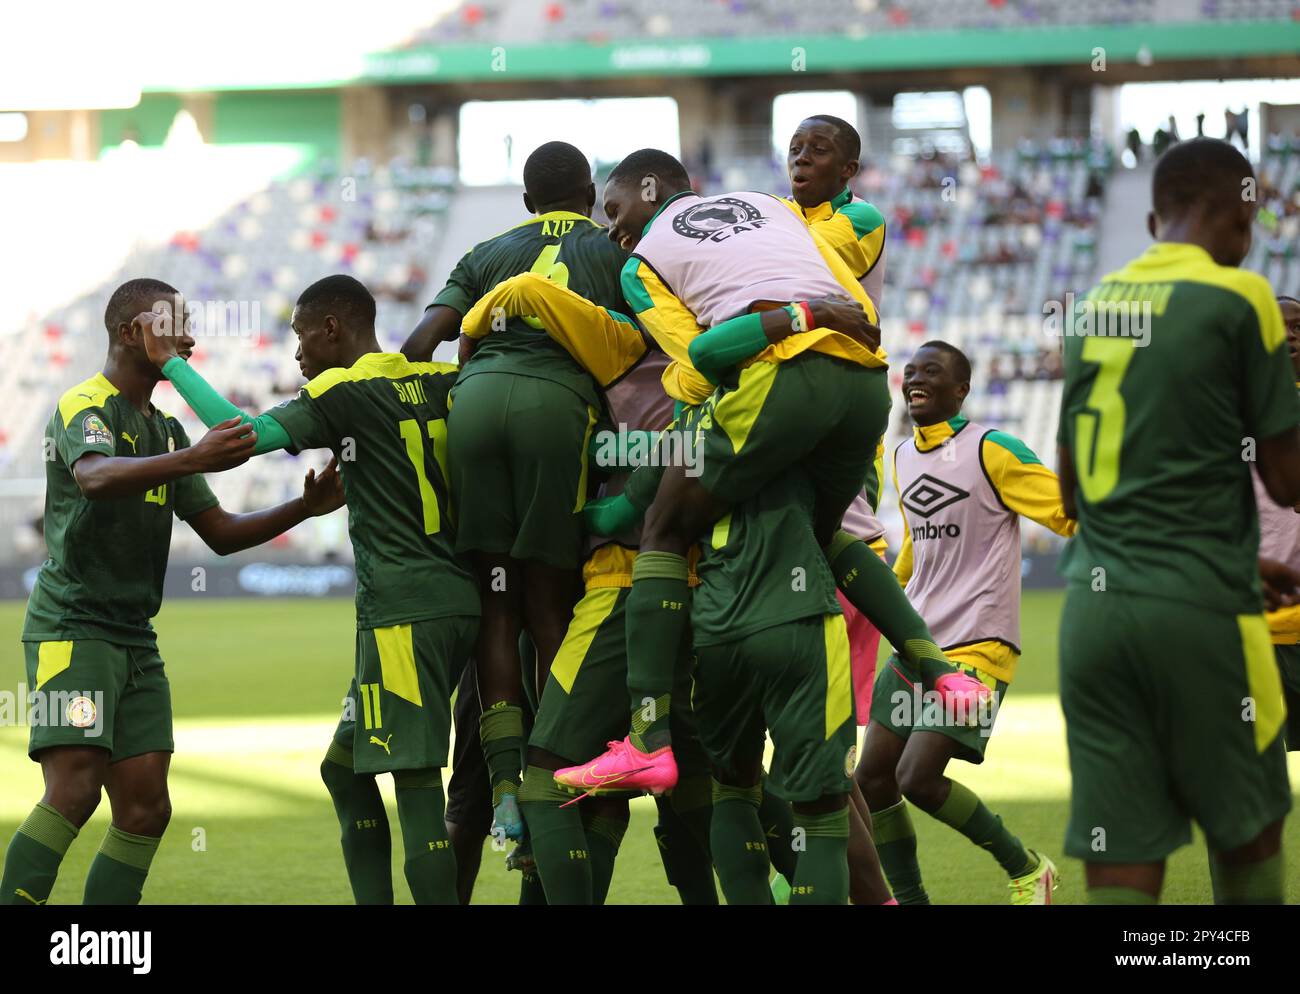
<point x="225" y="532"/>
<point x="212" y="408"/>
<point x="439" y="323"/>
<point x="604" y="343"/>
<point x="1023" y="483"/>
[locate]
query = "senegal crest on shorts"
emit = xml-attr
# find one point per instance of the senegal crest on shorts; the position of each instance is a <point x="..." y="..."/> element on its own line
<point x="96" y="431"/>
<point x="717" y="219"/>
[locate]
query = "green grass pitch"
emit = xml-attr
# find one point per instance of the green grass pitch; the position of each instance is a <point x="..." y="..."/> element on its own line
<point x="257" y="687"/>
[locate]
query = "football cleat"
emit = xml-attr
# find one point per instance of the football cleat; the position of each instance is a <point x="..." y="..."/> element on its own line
<point x="623" y="767"/>
<point x="1036" y="886"/>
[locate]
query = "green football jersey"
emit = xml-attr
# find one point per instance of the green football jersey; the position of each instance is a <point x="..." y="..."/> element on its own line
<point x="760" y="566"/>
<point x="385" y="420"/>
<point x="107" y="558"/>
<point x="1162" y="416"/>
<point x="568" y="248"/>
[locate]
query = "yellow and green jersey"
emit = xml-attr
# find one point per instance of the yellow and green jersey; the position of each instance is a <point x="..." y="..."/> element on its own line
<point x="385" y="420"/>
<point x="1161" y="412"/>
<point x="570" y="250"/>
<point x="107" y="558"/>
<point x="854" y="230"/>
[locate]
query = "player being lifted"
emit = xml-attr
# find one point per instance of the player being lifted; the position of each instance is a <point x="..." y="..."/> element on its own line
<point x="963" y="490"/>
<point x="1279" y="540"/>
<point x="818" y="398"/>
<point x="385" y="418"/>
<point x="117" y="471"/>
<point x="1175" y="362"/>
<point x="523" y="414"/>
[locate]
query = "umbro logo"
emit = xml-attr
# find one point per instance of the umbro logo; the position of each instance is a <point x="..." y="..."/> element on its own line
<point x="928" y="495"/>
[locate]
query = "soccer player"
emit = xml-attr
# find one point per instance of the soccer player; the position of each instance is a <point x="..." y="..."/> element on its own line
<point x="385" y="419"/>
<point x="1175" y="375"/>
<point x="523" y="414"/>
<point x="963" y="490"/>
<point x="818" y="398"/>
<point x="1279" y="540"/>
<point x="581" y="703"/>
<point x="603" y="344"/>
<point x="117" y="471"/>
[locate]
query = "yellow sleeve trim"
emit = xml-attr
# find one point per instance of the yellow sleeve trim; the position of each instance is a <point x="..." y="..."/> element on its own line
<point x="89" y="393"/>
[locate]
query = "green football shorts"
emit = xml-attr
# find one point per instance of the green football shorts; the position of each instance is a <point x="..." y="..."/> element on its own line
<point x="93" y="693"/>
<point x="794" y="680"/>
<point x="823" y="413"/>
<point x="517" y="458"/>
<point x="584" y="704"/>
<point x="398" y="711"/>
<point x="1173" y="713"/>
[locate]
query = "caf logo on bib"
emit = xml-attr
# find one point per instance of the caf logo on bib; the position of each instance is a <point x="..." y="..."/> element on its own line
<point x="81" y="712"/>
<point x="851" y="760"/>
<point x="725" y="216"/>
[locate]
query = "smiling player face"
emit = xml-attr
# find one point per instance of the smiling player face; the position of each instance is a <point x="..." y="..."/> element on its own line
<point x="630" y="204"/>
<point x="931" y="389"/>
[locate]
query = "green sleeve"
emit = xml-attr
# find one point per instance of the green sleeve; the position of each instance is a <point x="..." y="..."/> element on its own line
<point x="610" y="515"/>
<point x="193" y="495"/>
<point x="212" y="408"/>
<point x="462" y="288"/>
<point x="717" y="351"/>
<point x="1269" y="393"/>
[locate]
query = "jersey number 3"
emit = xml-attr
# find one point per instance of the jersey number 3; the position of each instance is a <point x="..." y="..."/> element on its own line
<point x="1099" y="428"/>
<point x="410" y="429"/>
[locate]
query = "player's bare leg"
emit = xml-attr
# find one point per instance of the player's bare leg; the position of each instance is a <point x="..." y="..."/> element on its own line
<point x="550" y="594"/>
<point x="137" y="791"/>
<point x="74" y="778"/>
<point x="867" y="884"/>
<point x="1253" y="873"/>
<point x="921" y="778"/>
<point x="1124" y="883"/>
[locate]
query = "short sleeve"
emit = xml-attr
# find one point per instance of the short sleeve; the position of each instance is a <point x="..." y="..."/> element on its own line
<point x="89" y="429"/>
<point x="304" y="421"/>
<point x="193" y="495"/>
<point x="462" y="288"/>
<point x="1271" y="405"/>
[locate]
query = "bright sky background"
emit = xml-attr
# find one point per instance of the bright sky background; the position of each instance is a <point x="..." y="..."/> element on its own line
<point x="1147" y="106"/>
<point x="605" y="129"/>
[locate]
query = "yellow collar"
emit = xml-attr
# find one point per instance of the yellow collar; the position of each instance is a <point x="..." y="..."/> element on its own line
<point x="929" y="437"/>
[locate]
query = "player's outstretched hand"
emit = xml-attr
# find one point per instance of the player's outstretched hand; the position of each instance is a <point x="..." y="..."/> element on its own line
<point x="225" y="446"/>
<point x="323" y="492"/>
<point x="846" y="315"/>
<point x="1281" y="584"/>
<point x="161" y="340"/>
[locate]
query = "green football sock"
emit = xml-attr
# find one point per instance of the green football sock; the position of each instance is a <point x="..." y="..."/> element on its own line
<point x="966" y="813"/>
<point x="604" y="836"/>
<point x="822" y="876"/>
<point x="895" y="839"/>
<point x="430" y="861"/>
<point x="1261" y="882"/>
<point x="34" y="854"/>
<point x="1118" y="895"/>
<point x="366" y="839"/>
<point x="684" y="849"/>
<point x="778" y="825"/>
<point x="871" y="587"/>
<point x="738" y="845"/>
<point x="118" y="871"/>
<point x="558" y="839"/>
<point x="531" y="891"/>
<point x="501" y="727"/>
<point x="658" y="610"/>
